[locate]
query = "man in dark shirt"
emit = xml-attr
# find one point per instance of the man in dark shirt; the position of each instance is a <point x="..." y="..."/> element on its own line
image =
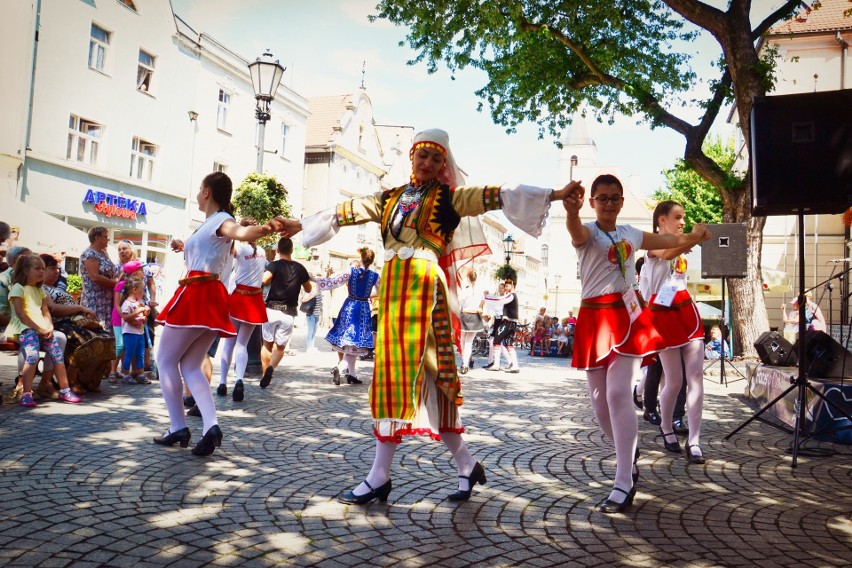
<point x="285" y="278"/>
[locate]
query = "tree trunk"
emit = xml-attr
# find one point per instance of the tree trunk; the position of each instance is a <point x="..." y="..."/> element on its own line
<point x="748" y="307"/>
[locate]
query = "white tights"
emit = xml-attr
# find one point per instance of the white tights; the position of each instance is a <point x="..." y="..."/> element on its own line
<point x="467" y="338"/>
<point x="181" y="350"/>
<point x="609" y="389"/>
<point x="347" y="364"/>
<point x="693" y="362"/>
<point x="380" y="472"/>
<point x="238" y="348"/>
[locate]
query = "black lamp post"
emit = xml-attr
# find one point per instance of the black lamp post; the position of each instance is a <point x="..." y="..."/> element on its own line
<point x="266" y="75"/>
<point x="509" y="247"/>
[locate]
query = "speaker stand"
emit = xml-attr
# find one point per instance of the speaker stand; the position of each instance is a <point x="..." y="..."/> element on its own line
<point x="801" y="382"/>
<point x="723" y="377"/>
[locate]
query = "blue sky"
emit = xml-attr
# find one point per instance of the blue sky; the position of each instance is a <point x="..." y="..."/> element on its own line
<point x="324" y="42"/>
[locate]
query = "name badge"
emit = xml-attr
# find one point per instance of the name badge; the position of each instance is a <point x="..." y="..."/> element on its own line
<point x="631" y="301"/>
<point x="666" y="295"/>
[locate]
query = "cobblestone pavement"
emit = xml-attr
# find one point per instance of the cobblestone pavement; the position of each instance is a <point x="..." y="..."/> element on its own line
<point x="84" y="485"/>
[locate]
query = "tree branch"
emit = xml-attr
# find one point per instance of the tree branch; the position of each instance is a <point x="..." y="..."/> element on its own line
<point x="715" y="103"/>
<point x="701" y="14"/>
<point x="772" y="18"/>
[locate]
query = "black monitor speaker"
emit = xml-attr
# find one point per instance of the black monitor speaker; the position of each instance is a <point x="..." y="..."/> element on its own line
<point x="825" y="357"/>
<point x="801" y="153"/>
<point x="725" y="255"/>
<point x="774" y="350"/>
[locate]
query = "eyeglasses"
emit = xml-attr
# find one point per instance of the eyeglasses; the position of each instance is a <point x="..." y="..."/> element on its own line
<point x="614" y="199"/>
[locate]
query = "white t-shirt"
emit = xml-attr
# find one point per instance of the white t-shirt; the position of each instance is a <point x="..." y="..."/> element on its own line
<point x="204" y="250"/>
<point x="469" y="299"/>
<point x="136" y="327"/>
<point x="600" y="270"/>
<point x="248" y="265"/>
<point x="657" y="271"/>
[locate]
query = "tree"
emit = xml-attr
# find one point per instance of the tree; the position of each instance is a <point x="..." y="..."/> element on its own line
<point x="701" y="202"/>
<point x="546" y="60"/>
<point x="261" y="196"/>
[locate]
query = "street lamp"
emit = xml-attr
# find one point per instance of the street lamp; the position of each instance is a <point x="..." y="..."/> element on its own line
<point x="556" y="279"/>
<point x="509" y="247"/>
<point x="266" y="75"/>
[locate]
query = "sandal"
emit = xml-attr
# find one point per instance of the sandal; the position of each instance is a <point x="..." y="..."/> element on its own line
<point x="113" y="378"/>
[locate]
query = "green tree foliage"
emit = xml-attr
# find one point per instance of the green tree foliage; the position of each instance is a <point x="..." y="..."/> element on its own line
<point x="546" y="60"/>
<point x="701" y="202"/>
<point x="261" y="196"/>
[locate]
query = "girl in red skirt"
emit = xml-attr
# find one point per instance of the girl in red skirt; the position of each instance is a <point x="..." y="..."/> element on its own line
<point x="198" y="312"/>
<point x="613" y="331"/>
<point x="676" y="317"/>
<point x="247" y="310"/>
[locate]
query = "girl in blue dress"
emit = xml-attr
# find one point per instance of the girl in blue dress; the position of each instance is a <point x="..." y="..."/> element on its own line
<point x="352" y="333"/>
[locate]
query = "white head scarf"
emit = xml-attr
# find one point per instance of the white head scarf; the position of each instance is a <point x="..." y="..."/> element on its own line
<point x="451" y="174"/>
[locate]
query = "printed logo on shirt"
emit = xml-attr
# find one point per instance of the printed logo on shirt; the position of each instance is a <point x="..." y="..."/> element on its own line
<point x="679" y="265"/>
<point x="623" y="252"/>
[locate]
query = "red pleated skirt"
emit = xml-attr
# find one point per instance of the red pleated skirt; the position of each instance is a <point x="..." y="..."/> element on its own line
<point x="601" y="331"/>
<point x="679" y="324"/>
<point x="199" y="304"/>
<point x="248" y="308"/>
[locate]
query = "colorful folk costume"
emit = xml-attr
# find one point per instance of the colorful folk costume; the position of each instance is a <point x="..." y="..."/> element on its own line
<point x="676" y="317"/>
<point x="415" y="388"/>
<point x="352" y="331"/>
<point x="611" y="318"/>
<point x="247" y="310"/>
<point x="192" y="319"/>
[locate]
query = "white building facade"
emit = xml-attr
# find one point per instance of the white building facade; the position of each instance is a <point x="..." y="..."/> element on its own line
<point x="131" y="108"/>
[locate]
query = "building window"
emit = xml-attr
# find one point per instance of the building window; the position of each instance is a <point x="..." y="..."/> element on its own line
<point x="545" y="252"/>
<point x="84" y="138"/>
<point x="142" y="157"/>
<point x="129" y="4"/>
<point x="98" y="44"/>
<point x="144" y="72"/>
<point x="219" y="167"/>
<point x="285" y="129"/>
<point x="224" y="109"/>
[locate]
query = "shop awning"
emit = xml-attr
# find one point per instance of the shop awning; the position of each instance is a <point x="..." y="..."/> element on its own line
<point x="41" y="232"/>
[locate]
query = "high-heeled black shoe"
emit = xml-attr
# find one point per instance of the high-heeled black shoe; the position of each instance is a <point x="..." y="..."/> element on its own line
<point x="694" y="458"/>
<point x="476" y="476"/>
<point x="380" y="493"/>
<point x="169" y="438"/>
<point x="211" y="440"/>
<point x="610" y="506"/>
<point x="673" y="447"/>
<point x="353" y="380"/>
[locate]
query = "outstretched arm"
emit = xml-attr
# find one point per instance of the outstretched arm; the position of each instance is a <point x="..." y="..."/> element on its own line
<point x="655" y="241"/>
<point x="572" y="201"/>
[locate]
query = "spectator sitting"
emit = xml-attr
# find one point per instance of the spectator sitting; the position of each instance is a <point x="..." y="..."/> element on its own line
<point x="713" y="348"/>
<point x="538" y="336"/>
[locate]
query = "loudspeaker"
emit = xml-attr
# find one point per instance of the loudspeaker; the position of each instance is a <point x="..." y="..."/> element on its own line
<point x="801" y="153"/>
<point x="774" y="350"/>
<point x="824" y="355"/>
<point x="725" y="255"/>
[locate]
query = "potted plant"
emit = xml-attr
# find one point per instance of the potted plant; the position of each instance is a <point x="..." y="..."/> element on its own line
<point x="75" y="286"/>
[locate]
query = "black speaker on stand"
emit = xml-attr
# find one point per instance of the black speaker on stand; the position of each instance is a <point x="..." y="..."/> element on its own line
<point x="801" y="152"/>
<point x="774" y="350"/>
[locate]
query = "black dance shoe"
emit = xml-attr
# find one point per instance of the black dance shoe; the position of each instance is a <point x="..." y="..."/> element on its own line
<point x="353" y="380"/>
<point x="680" y="428"/>
<point x="464" y="369"/>
<point x="239" y="391"/>
<point x="380" y="493"/>
<point x="695" y="457"/>
<point x="222" y="390"/>
<point x="673" y="447"/>
<point x="476" y="476"/>
<point x="610" y="506"/>
<point x="637" y="400"/>
<point x="471" y="364"/>
<point x="335" y="376"/>
<point x="211" y="440"/>
<point x="267" y="377"/>
<point x="652" y="417"/>
<point x="489" y="365"/>
<point x="194" y="411"/>
<point x="169" y="438"/>
<point x="188" y="401"/>
<point x="635" y="472"/>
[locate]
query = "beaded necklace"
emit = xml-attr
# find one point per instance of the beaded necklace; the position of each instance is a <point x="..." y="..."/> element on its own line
<point x="410" y="199"/>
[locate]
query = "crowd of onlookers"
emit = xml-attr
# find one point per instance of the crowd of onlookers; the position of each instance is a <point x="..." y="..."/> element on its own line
<point x="106" y="333"/>
<point x="552" y="335"/>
